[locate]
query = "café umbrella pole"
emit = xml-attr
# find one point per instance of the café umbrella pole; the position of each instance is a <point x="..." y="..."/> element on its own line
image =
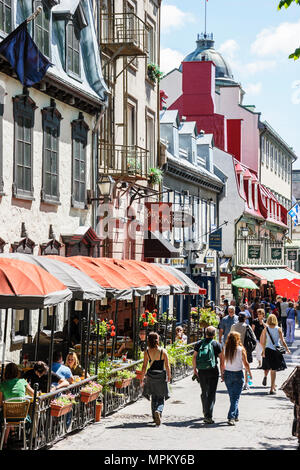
<point x="50" y="360"/>
<point x="133" y="325"/>
<point x="138" y="328"/>
<point x="37" y="342"/>
<point x="166" y="328"/>
<point x="4" y="344"/>
<point x="88" y="342"/>
<point x="189" y="320"/>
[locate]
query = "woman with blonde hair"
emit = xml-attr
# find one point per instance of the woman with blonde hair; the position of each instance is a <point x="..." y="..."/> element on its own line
<point x="72" y="361"/>
<point x="233" y="358"/>
<point x="273" y="359"/>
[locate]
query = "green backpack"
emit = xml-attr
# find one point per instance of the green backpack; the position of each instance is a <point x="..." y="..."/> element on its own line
<point x="206" y="356"/>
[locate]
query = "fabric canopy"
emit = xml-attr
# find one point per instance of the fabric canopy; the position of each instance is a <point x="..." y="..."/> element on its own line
<point x="82" y="286"/>
<point x="288" y="288"/>
<point x="24" y="285"/>
<point x="115" y="285"/>
<point x="190" y="287"/>
<point x="159" y="276"/>
<point x="138" y="276"/>
<point x="276" y="274"/>
<point x="244" y="283"/>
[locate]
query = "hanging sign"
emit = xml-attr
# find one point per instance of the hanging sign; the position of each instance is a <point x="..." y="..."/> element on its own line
<point x="276" y="253"/>
<point x="159" y="216"/>
<point x="292" y="255"/>
<point x="215" y="240"/>
<point x="254" y="251"/>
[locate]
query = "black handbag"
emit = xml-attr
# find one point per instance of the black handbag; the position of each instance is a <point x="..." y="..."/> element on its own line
<point x="279" y="349"/>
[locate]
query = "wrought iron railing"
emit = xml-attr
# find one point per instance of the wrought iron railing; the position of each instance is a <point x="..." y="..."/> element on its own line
<point x="47" y="430"/>
<point x="124" y="33"/>
<point x="251" y="251"/>
<point x="122" y="160"/>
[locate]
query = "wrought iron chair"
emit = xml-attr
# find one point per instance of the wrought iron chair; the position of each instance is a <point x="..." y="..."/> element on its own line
<point x="15" y="411"/>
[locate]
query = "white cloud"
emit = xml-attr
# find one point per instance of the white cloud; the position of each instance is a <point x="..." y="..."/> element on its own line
<point x="253" y="89"/>
<point x="282" y="39"/>
<point x="229" y="49"/>
<point x="296" y="94"/>
<point x="170" y="59"/>
<point x="174" y="18"/>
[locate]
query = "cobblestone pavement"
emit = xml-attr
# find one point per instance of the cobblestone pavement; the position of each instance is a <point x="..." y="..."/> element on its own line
<point x="265" y="422"/>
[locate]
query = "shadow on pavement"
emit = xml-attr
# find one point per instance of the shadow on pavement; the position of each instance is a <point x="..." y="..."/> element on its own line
<point x="192" y="424"/>
<point x="132" y="426"/>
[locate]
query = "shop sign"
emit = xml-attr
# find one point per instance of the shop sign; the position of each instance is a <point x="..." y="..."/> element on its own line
<point x="179" y="262"/>
<point x="254" y="251"/>
<point x="210" y="262"/>
<point x="292" y="255"/>
<point x="159" y="216"/>
<point x="182" y="219"/>
<point x="215" y="240"/>
<point x="276" y="253"/>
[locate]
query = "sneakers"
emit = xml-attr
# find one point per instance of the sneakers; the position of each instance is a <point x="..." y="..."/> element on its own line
<point x="157" y="417"/>
<point x="208" y="421"/>
<point x="236" y="419"/>
<point x="264" y="382"/>
<point x="231" y="422"/>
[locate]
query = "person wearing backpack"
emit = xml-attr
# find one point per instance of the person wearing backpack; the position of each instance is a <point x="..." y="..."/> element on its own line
<point x="206" y="353"/>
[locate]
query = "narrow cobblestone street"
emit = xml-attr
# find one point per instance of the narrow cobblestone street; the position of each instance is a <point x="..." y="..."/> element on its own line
<point x="265" y="422"/>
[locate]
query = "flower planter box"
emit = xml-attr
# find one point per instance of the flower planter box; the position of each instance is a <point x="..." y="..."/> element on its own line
<point x="87" y="397"/>
<point x="58" y="411"/>
<point x="123" y="383"/>
<point x="138" y="374"/>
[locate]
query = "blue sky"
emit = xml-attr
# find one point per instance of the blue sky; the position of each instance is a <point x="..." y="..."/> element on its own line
<point x="256" y="39"/>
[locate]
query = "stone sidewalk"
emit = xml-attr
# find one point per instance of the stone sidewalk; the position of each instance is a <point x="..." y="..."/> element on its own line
<point x="265" y="423"/>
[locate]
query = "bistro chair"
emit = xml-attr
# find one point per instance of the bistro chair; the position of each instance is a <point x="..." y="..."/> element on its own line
<point x="15" y="411"/>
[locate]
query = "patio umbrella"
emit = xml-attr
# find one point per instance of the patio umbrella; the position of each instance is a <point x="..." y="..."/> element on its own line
<point x="244" y="283"/>
<point x="24" y="285"/>
<point x="82" y="286"/>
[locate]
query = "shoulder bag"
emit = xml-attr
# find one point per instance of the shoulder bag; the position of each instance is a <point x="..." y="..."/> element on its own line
<point x="279" y="349"/>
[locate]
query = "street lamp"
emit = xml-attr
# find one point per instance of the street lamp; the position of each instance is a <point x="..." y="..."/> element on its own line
<point x="245" y="232"/>
<point x="105" y="186"/>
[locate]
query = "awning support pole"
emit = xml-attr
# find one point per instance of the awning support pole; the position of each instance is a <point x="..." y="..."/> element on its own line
<point x="97" y="347"/>
<point x="166" y="329"/>
<point x="116" y="331"/>
<point x="4" y="344"/>
<point x="189" y="320"/>
<point x="37" y="343"/>
<point x="133" y="326"/>
<point x="86" y="364"/>
<point x="50" y="361"/>
<point x="138" y="328"/>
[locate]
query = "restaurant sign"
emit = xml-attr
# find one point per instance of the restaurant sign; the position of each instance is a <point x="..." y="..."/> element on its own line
<point x="276" y="253"/>
<point x="254" y="251"/>
<point x="292" y="255"/>
<point x="159" y="216"/>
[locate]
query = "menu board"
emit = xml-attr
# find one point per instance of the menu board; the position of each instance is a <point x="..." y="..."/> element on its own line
<point x="254" y="251"/>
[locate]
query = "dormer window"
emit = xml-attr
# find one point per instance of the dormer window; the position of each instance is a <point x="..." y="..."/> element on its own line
<point x="41" y="31"/>
<point x="73" y="49"/>
<point x="6" y="16"/>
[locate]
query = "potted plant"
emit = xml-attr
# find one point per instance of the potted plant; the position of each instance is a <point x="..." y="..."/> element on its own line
<point x="99" y="406"/>
<point x="138" y="371"/>
<point x="133" y="165"/>
<point x="62" y="405"/>
<point x="90" y="392"/>
<point x="155" y="175"/>
<point x="208" y="318"/>
<point x="154" y="73"/>
<point x="123" y="378"/>
<point x="148" y="319"/>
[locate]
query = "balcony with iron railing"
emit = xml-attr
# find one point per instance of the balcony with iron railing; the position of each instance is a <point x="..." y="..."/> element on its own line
<point x="124" y="34"/>
<point x="124" y="162"/>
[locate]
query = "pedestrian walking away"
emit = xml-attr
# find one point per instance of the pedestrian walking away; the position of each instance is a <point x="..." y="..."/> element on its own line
<point x="298" y="311"/>
<point x="291" y="388"/>
<point x="248" y="340"/>
<point x="273" y="359"/>
<point x="258" y="326"/>
<point x="158" y="374"/>
<point x="205" y="364"/>
<point x="283" y="314"/>
<point x="290" y="323"/>
<point x="233" y="358"/>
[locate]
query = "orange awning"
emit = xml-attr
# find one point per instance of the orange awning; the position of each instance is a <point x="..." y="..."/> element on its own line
<point x="24" y="285"/>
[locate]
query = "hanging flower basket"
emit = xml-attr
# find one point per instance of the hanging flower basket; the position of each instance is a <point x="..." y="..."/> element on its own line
<point x="58" y="410"/>
<point x="154" y="73"/>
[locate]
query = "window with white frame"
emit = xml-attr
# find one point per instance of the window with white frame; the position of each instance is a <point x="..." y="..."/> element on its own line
<point x="204" y="220"/>
<point x="6" y="16"/>
<point x="131" y="123"/>
<point x="271" y="156"/>
<point x="275" y="160"/>
<point x="151" y="43"/>
<point x="267" y="153"/>
<point x="41" y="29"/>
<point x="150" y="138"/>
<point x="262" y="150"/>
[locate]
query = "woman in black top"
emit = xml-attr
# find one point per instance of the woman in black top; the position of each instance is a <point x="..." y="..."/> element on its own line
<point x="159" y="370"/>
<point x="258" y="326"/>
